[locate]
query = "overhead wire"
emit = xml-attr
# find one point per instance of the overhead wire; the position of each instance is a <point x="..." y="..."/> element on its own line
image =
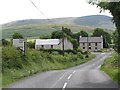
<point x="49" y="20"/>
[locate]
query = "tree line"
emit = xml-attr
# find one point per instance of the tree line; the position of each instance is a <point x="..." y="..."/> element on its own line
<point x="73" y="37"/>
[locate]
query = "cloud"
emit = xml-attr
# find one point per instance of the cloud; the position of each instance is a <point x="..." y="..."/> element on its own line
<point x="22" y="9"/>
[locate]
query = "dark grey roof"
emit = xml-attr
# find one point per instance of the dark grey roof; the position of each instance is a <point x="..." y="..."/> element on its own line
<point x="91" y="39"/>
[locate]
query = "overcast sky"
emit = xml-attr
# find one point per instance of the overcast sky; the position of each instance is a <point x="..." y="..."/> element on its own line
<point x="12" y="10"/>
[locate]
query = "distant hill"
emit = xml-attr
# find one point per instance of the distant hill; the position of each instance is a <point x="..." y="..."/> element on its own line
<point x="36" y="27"/>
<point x="97" y="21"/>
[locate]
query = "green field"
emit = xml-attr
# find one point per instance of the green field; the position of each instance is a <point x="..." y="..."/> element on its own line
<point x="41" y="29"/>
<point x="38" y="27"/>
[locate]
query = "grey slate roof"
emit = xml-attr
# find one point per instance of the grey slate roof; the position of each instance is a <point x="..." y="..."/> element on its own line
<point x="91" y="39"/>
<point x="47" y="41"/>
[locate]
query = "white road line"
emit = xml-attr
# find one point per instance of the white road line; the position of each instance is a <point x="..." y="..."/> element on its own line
<point x="64" y="86"/>
<point x="69" y="76"/>
<point x="58" y="80"/>
<point x="74" y="72"/>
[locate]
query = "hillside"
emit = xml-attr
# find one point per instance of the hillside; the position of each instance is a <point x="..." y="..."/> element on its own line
<point x="38" y="27"/>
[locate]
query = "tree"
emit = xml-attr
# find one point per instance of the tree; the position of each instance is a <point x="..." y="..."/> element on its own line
<point x="5" y="42"/>
<point x="114" y="8"/>
<point x="81" y="33"/>
<point x="17" y="36"/>
<point x="67" y="31"/>
<point x="106" y="36"/>
<point x="57" y="34"/>
<point x="31" y="44"/>
<point x="115" y="39"/>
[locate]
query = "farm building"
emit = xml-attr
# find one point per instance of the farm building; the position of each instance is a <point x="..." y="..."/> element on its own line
<point x="53" y="44"/>
<point x="91" y="43"/>
<point x="19" y="43"/>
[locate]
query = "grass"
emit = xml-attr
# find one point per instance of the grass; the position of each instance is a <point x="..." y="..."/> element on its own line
<point x="0" y="81"/>
<point x="36" y="30"/>
<point x="42" y="61"/>
<point x="0" y="67"/>
<point x="110" y="66"/>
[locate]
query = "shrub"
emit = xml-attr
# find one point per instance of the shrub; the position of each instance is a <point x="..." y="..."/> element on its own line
<point x="12" y="58"/>
<point x="5" y="42"/>
<point x="31" y="44"/>
<point x="80" y="55"/>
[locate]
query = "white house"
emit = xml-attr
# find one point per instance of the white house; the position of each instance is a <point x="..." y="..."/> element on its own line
<point x="19" y="43"/>
<point x="53" y="43"/>
<point x="91" y="43"/>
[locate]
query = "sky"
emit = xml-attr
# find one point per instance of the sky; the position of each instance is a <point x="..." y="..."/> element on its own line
<point x="12" y="10"/>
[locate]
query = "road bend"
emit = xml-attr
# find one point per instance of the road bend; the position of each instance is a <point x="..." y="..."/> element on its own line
<point x="87" y="75"/>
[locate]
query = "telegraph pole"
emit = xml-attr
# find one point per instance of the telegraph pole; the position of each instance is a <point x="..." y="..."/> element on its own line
<point x="87" y="46"/>
<point x="25" y="46"/>
<point x="63" y="41"/>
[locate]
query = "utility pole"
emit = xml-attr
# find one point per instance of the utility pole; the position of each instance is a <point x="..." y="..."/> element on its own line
<point x="25" y="46"/>
<point x="63" y="41"/>
<point x="87" y="46"/>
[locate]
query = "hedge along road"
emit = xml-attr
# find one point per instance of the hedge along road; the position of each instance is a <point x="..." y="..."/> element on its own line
<point x="87" y="75"/>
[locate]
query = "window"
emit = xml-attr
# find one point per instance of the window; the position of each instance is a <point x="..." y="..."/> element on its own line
<point x="83" y="43"/>
<point x="89" y="47"/>
<point x="52" y="46"/>
<point x="96" y="48"/>
<point x="20" y="41"/>
<point x="42" y="46"/>
<point x="83" y="47"/>
<point x="95" y="44"/>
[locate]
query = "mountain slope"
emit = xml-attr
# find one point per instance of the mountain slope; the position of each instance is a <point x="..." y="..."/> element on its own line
<point x="38" y="27"/>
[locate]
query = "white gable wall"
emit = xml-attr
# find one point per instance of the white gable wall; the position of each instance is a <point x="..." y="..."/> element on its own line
<point x="18" y="43"/>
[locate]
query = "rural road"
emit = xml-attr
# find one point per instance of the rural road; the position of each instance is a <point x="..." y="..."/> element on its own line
<point x="83" y="77"/>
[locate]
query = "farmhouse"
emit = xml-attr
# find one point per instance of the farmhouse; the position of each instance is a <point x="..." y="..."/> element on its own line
<point x="91" y="43"/>
<point x="19" y="43"/>
<point x="53" y="44"/>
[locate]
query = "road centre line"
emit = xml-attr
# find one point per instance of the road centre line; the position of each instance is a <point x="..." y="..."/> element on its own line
<point x="64" y="86"/>
<point x="74" y="72"/>
<point x="69" y="76"/>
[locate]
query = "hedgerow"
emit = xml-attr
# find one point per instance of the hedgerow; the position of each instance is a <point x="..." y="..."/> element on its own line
<point x="16" y="65"/>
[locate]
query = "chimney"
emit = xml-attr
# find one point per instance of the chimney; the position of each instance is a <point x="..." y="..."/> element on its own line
<point x="80" y="36"/>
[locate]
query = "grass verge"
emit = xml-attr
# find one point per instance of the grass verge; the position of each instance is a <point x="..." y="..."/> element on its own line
<point x="110" y="66"/>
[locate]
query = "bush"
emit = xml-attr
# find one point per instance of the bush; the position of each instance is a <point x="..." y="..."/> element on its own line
<point x="59" y="51"/>
<point x="5" y="42"/>
<point x="80" y="55"/>
<point x="31" y="44"/>
<point x="16" y="66"/>
<point x="12" y="58"/>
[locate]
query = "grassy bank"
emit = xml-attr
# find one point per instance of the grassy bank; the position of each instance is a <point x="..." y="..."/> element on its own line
<point x="0" y="81"/>
<point x="110" y="66"/>
<point x="16" y="67"/>
<point x="0" y="75"/>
